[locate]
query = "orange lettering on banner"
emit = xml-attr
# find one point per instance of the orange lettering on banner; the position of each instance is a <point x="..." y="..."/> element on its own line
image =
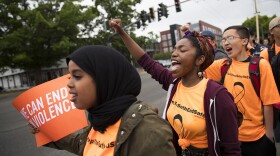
<point x="48" y="108"/>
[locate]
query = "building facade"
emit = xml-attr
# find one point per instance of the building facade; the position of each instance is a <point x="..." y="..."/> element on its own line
<point x="201" y="26"/>
<point x="13" y="79"/>
<point x="171" y="36"/>
<point x="165" y="41"/>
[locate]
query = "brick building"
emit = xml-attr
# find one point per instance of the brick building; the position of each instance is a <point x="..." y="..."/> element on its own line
<point x="171" y="36"/>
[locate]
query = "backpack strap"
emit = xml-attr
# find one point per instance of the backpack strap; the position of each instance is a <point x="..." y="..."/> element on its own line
<point x="271" y="53"/>
<point x="254" y="71"/>
<point x="224" y="69"/>
<point x="252" y="51"/>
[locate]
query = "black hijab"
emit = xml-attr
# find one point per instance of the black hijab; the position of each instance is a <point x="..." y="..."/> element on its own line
<point x="117" y="83"/>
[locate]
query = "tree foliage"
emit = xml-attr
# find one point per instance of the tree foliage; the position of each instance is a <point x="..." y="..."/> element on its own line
<point x="263" y="24"/>
<point x="162" y="56"/>
<point x="37" y="33"/>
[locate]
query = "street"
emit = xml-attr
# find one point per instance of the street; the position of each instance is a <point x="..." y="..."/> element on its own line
<point x="17" y="139"/>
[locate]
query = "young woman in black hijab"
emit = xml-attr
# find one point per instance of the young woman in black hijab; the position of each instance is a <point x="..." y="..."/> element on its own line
<point x="104" y="83"/>
<point x="117" y="83"/>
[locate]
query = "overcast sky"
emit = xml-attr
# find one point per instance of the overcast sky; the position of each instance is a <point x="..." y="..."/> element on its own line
<point x="220" y="13"/>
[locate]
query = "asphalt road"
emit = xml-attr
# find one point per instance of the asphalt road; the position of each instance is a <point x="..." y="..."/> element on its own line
<point x="17" y="140"/>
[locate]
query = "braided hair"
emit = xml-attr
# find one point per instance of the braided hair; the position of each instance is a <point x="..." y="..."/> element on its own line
<point x="203" y="47"/>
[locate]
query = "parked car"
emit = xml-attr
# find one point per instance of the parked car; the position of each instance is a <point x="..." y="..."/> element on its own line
<point x="164" y="63"/>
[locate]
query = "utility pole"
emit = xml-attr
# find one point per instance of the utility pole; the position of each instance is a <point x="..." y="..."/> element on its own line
<point x="257" y="21"/>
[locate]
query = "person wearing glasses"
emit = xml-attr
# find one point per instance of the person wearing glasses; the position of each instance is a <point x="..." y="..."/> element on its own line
<point x="219" y="53"/>
<point x="256" y="131"/>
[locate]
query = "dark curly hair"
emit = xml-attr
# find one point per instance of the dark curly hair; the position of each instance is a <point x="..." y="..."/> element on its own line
<point x="203" y="47"/>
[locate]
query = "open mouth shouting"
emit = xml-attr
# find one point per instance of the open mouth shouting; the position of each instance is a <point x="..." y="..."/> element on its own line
<point x="228" y="50"/>
<point x="174" y="65"/>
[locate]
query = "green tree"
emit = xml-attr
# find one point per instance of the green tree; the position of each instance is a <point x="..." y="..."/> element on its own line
<point x="124" y="10"/>
<point x="37" y="33"/>
<point x="263" y="24"/>
<point x="162" y="56"/>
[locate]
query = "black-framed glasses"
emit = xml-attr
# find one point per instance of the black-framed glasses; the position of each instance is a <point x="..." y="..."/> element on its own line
<point x="229" y="38"/>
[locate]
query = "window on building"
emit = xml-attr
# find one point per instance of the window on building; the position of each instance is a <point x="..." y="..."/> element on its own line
<point x="169" y="36"/>
<point x="163" y="37"/>
<point x="165" y="50"/>
<point x="164" y="44"/>
<point x="170" y="43"/>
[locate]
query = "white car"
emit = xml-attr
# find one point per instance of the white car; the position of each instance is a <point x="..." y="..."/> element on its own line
<point x="164" y="63"/>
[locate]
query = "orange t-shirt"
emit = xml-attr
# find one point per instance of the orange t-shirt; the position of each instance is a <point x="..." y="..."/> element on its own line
<point x="264" y="53"/>
<point x="186" y="115"/>
<point x="238" y="83"/>
<point x="99" y="144"/>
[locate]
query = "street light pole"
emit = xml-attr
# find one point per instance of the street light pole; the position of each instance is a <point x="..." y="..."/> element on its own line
<point x="257" y="21"/>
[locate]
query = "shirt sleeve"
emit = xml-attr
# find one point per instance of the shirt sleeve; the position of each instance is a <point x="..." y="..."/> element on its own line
<point x="214" y="70"/>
